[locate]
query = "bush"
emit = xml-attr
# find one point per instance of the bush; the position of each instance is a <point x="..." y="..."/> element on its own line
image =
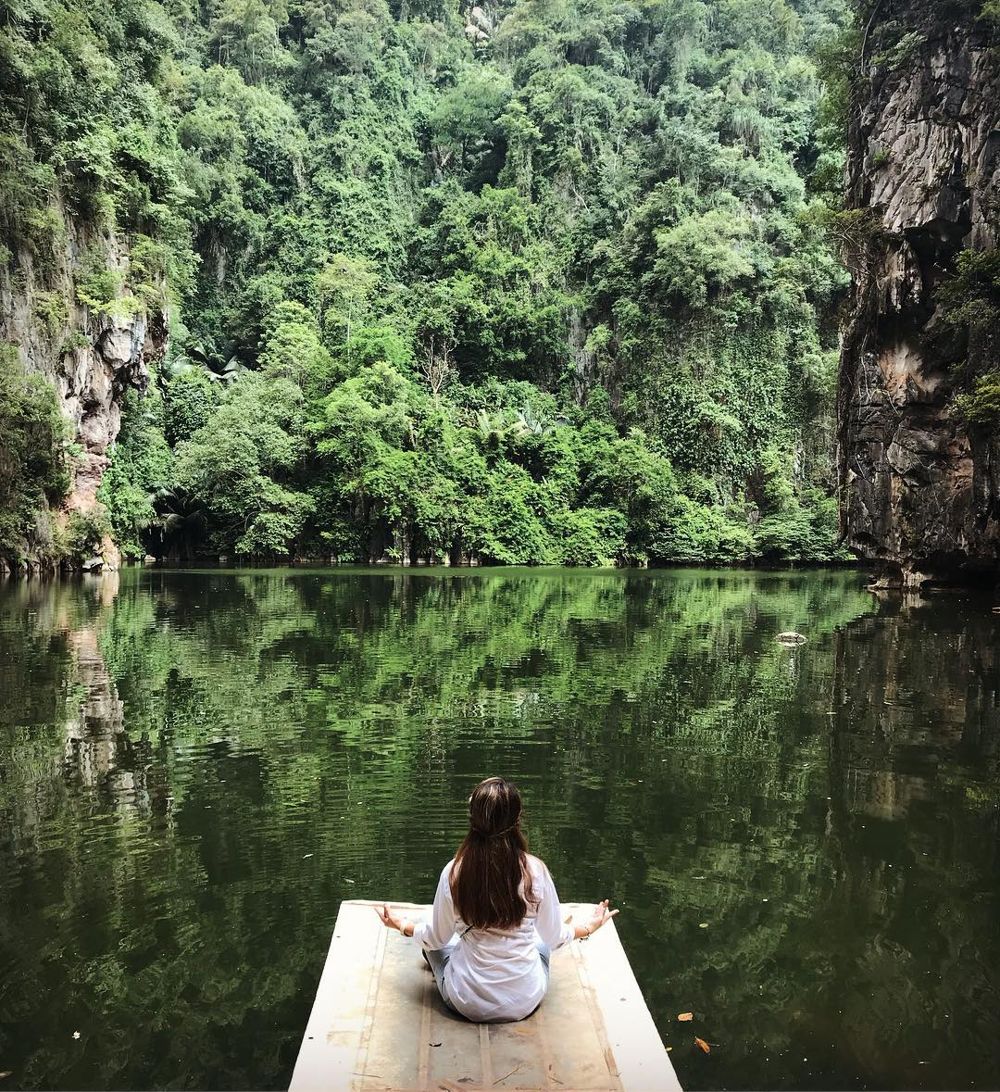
<point x="33" y="470"/>
<point x="591" y="536"/>
<point x="140" y="469"/>
<point x="84" y="534"/>
<point x="101" y="288"/>
<point x="982" y="405"/>
<point x="802" y="534"/>
<point x="51" y="312"/>
<point x="191" y="399"/>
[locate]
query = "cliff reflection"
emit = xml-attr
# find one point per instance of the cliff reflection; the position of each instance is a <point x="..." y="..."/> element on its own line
<point x="63" y="723"/>
<point x="915" y="783"/>
<point x="915" y="703"/>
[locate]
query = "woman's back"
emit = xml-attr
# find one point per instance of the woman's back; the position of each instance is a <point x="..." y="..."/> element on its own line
<point x="499" y="973"/>
<point x="496" y="915"/>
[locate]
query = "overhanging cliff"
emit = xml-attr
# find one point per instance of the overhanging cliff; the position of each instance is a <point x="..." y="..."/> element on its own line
<point x="920" y="478"/>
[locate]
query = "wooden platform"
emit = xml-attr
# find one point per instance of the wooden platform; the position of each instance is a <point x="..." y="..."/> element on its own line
<point x="378" y="1022"/>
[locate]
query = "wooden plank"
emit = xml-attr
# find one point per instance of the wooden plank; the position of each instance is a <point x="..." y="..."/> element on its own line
<point x="575" y="1034"/>
<point x="628" y="1023"/>
<point x="378" y="1023"/>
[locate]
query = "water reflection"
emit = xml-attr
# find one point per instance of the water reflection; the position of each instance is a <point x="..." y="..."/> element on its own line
<point x="196" y="767"/>
<point x="914" y="776"/>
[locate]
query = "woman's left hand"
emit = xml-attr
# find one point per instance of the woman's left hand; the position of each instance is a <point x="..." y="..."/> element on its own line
<point x="389" y="919"/>
<point x="601" y="916"/>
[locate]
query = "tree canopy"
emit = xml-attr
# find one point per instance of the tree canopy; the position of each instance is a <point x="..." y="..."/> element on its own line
<point x="541" y="282"/>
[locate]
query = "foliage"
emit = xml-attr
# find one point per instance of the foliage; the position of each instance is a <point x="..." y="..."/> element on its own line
<point x="982" y="405"/>
<point x="50" y="312"/>
<point x="971" y="298"/>
<point x="790" y="529"/>
<point x="970" y="307"/>
<point x="477" y="273"/>
<point x="191" y="397"/>
<point x="241" y="466"/>
<point x="140" y="469"/>
<point x="84" y="533"/>
<point x="101" y="289"/>
<point x="33" y="466"/>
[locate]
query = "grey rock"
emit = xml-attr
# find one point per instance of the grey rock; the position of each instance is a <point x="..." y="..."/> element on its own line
<point x="920" y="490"/>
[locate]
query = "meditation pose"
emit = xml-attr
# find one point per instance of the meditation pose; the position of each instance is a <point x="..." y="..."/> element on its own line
<point x="496" y="915"/>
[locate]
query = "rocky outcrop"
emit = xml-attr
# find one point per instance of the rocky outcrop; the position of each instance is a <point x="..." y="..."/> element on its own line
<point x="90" y="354"/>
<point x="91" y="379"/>
<point x="920" y="487"/>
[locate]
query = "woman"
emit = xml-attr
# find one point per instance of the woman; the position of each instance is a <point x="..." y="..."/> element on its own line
<point x="496" y="915"/>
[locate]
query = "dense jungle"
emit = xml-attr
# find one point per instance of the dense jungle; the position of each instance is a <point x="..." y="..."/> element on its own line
<point x="552" y="281"/>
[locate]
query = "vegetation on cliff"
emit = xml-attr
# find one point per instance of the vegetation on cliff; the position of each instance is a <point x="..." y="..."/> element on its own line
<point x="32" y="461"/>
<point x="537" y="282"/>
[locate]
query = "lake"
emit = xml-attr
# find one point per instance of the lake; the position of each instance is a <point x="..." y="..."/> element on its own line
<point x="197" y="766"/>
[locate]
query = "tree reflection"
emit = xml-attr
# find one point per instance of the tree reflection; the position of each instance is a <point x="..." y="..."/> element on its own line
<point x="197" y="767"/>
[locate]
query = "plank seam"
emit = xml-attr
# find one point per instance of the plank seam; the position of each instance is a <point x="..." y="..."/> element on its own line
<point x="597" y="1016"/>
<point x="424" y="1064"/>
<point x="484" y="1053"/>
<point x="374" y="985"/>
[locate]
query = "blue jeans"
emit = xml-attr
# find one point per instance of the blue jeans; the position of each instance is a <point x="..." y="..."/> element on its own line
<point x="437" y="960"/>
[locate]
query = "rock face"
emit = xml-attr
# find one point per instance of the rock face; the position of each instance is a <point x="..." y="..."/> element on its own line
<point x="91" y="356"/>
<point x="920" y="489"/>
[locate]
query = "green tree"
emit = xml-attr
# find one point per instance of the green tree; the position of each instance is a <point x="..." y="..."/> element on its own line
<point x="241" y="467"/>
<point x="33" y="465"/>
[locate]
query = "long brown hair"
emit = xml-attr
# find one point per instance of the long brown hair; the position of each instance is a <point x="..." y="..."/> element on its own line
<point x="492" y="862"/>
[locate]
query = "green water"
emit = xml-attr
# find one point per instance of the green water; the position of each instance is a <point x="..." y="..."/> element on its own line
<point x="195" y="768"/>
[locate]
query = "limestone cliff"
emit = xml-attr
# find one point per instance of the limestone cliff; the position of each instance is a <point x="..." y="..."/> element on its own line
<point x="90" y="353"/>
<point x="920" y="486"/>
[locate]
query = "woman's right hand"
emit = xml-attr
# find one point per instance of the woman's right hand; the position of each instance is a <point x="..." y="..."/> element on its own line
<point x="389" y="919"/>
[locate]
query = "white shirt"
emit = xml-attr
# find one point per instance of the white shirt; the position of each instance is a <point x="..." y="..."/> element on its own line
<point x="496" y="974"/>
